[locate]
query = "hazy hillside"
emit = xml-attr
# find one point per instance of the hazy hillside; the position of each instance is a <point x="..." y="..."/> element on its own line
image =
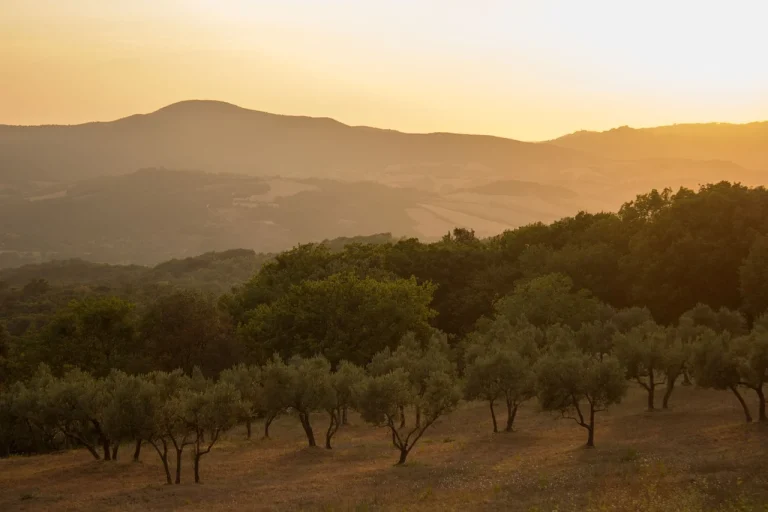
<point x="266" y="182"/>
<point x="221" y="137"/>
<point x="744" y="145"/>
<point x="154" y="215"/>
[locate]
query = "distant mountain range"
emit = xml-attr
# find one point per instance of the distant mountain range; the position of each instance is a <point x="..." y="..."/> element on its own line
<point x="198" y="176"/>
<point x="220" y="137"/>
<point x="744" y="145"/>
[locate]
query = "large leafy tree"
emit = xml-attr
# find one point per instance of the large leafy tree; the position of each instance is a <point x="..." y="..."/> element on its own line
<point x="753" y="277"/>
<point x="274" y="279"/>
<point x="5" y="352"/>
<point x="467" y="274"/>
<point x="186" y="329"/>
<point x="95" y="334"/>
<point x="688" y="235"/>
<point x="343" y="317"/>
<point x="551" y="299"/>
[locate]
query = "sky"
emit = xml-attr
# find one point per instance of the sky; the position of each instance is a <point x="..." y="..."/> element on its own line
<point x="530" y="70"/>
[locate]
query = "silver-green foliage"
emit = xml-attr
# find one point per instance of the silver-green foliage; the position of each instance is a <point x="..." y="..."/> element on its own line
<point x="579" y="385"/>
<point x="499" y="366"/>
<point x="424" y="380"/>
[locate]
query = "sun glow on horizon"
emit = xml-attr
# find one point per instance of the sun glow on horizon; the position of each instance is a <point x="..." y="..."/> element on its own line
<point x="527" y="70"/>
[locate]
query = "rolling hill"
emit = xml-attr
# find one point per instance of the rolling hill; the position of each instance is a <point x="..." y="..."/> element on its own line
<point x="201" y="176"/>
<point x="220" y="137"/>
<point x="743" y="145"/>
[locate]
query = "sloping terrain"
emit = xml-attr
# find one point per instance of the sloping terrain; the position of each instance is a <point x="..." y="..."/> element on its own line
<point x="699" y="456"/>
<point x="744" y="145"/>
<point x="220" y="137"/>
<point x="267" y="182"/>
<point x="155" y="215"/>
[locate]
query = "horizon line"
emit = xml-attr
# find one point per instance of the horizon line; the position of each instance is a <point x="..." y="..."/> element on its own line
<point x="299" y="116"/>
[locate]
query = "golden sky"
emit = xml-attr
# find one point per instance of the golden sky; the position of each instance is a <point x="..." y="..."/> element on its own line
<point x="530" y="70"/>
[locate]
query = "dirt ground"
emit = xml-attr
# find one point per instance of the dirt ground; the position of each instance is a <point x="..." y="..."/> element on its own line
<point x="699" y="455"/>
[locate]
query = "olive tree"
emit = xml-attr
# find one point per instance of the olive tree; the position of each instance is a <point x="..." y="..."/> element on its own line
<point x="277" y="383"/>
<point x="751" y="354"/>
<point x="498" y="366"/>
<point x="338" y="396"/>
<point x="579" y="386"/>
<point x="247" y="381"/>
<point x="383" y="363"/>
<point x="643" y="352"/>
<point x="129" y="412"/>
<point x="724" y="363"/>
<point x="380" y="399"/>
<point x="701" y="321"/>
<point x="209" y="413"/>
<point x="29" y="402"/>
<point x="715" y="366"/>
<point x="168" y="426"/>
<point x="73" y="405"/>
<point x="501" y="373"/>
<point x="678" y="354"/>
<point x="419" y="361"/>
<point x="302" y="385"/>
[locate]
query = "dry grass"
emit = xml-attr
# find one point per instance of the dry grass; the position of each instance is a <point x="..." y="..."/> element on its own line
<point x="697" y="456"/>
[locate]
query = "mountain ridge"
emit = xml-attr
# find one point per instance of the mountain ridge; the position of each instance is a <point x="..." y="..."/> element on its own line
<point x="207" y="103"/>
<point x="221" y="137"/>
<point x="218" y="176"/>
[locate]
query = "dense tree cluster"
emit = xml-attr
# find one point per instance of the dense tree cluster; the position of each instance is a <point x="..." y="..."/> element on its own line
<point x="669" y="290"/>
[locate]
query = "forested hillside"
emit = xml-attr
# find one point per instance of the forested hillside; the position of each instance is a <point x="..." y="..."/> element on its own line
<point x="668" y="291"/>
<point x="666" y="251"/>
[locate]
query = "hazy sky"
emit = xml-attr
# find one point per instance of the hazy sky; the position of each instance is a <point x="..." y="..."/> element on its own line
<point x="524" y="69"/>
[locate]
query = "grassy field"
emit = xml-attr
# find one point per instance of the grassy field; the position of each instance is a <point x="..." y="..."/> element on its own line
<point x="699" y="455"/>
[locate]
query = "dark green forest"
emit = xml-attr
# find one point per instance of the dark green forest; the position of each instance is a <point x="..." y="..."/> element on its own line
<point x="669" y="290"/>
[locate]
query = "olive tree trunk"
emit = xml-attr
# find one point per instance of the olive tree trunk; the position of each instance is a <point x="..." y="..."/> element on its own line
<point x="743" y="403"/>
<point x="761" y="403"/>
<point x="137" y="451"/>
<point x="511" y="413"/>
<point x="305" y="423"/>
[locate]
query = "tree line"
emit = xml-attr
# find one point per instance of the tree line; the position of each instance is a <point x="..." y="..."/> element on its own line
<point x="578" y="361"/>
<point x="669" y="289"/>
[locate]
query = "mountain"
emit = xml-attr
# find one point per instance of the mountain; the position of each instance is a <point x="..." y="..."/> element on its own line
<point x="201" y="176"/>
<point x="743" y="145"/>
<point x="220" y="137"/>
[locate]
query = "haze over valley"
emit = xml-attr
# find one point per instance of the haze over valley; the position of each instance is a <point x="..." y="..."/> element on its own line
<point x="201" y="176"/>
